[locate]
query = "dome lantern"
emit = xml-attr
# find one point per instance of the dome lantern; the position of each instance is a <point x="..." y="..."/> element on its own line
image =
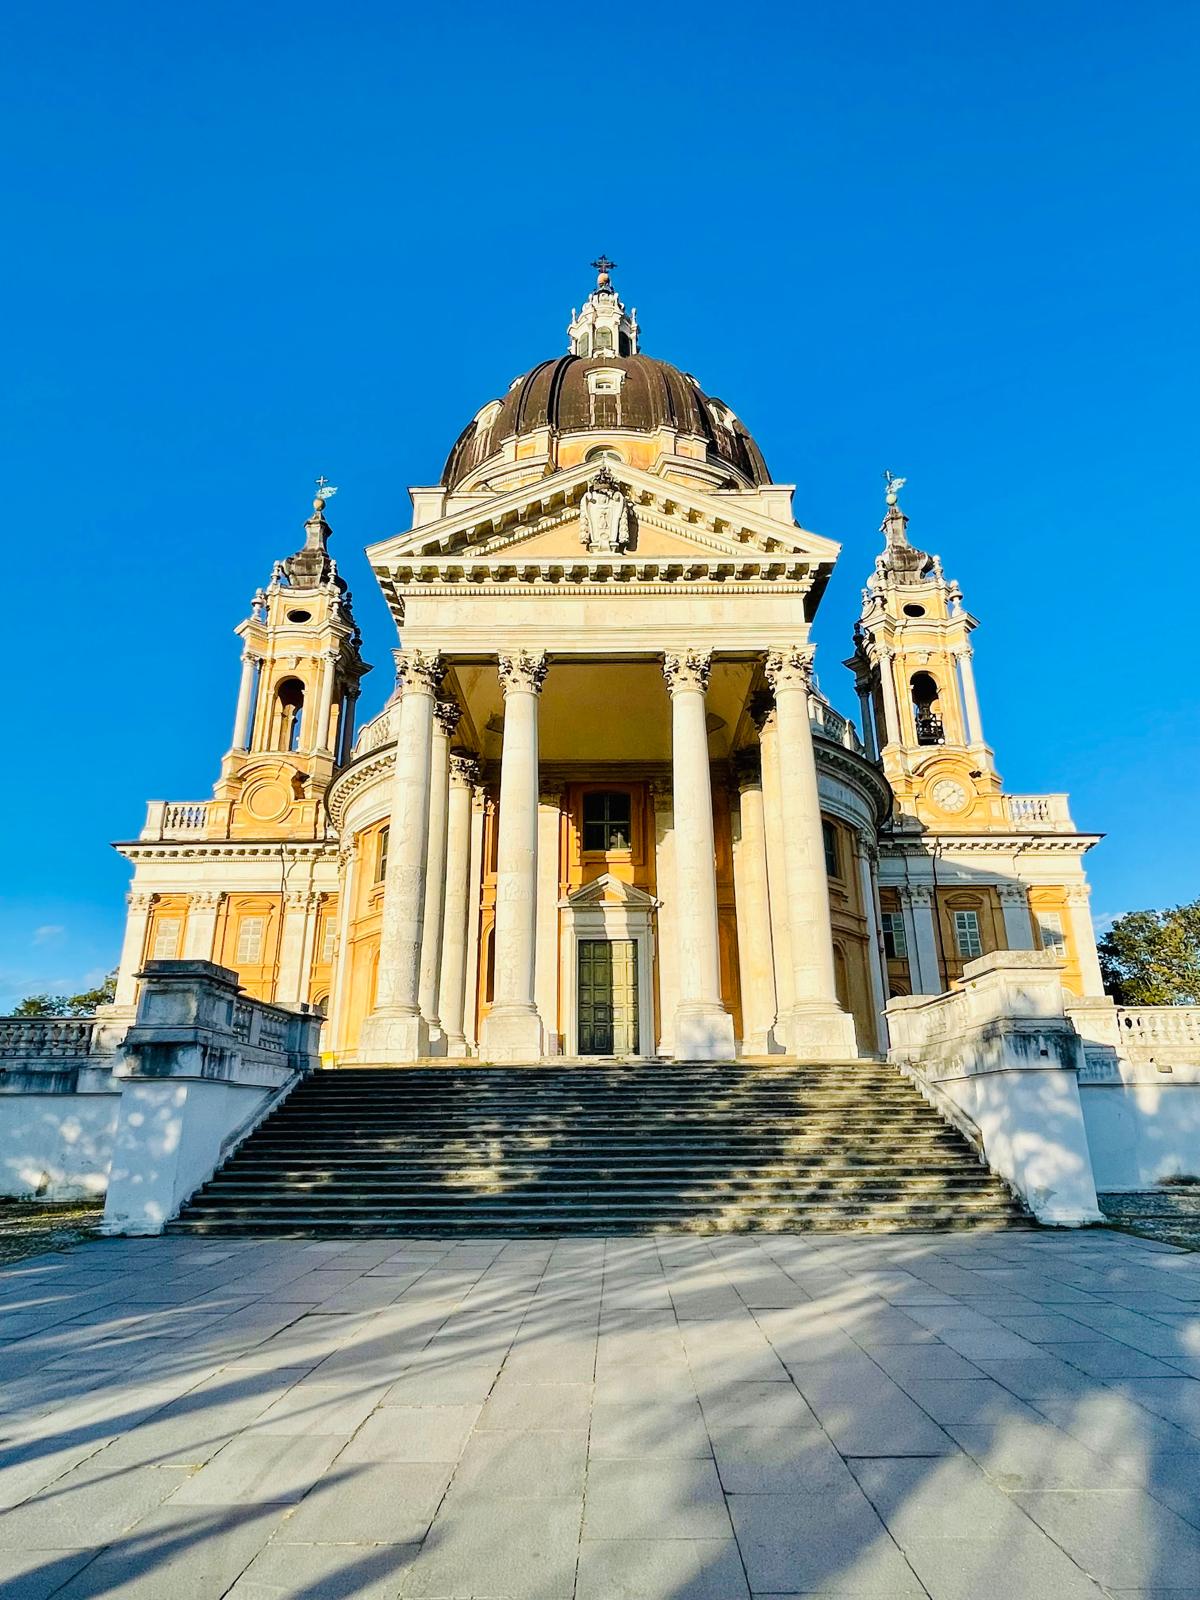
<point x="603" y="327"/>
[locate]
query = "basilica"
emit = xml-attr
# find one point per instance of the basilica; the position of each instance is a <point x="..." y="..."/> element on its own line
<point x="607" y="812"/>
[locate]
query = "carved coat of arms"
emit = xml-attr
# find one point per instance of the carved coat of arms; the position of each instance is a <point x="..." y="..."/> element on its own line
<point x="604" y="522"/>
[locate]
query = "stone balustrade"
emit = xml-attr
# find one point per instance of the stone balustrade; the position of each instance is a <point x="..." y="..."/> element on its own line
<point x="830" y="724"/>
<point x="175" y="819"/>
<point x="1150" y="1026"/>
<point x="379" y="731"/>
<point x="47" y="1038"/>
<point x="1039" y="813"/>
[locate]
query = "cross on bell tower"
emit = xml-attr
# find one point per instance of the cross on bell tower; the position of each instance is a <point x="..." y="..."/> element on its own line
<point x="603" y="328"/>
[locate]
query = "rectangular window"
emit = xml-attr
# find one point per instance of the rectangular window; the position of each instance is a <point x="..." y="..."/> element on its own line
<point x="966" y="934"/>
<point x="381" y="855"/>
<point x="895" y="939"/>
<point x="328" y="941"/>
<point x="1051" y="929"/>
<point x="829" y="835"/>
<point x="607" y="822"/>
<point x="166" y="939"/>
<point x="250" y="941"/>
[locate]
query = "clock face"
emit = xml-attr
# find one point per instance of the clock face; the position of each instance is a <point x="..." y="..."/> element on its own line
<point x="948" y="795"/>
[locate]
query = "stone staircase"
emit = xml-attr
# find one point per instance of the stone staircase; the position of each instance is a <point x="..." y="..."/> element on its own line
<point x="606" y="1149"/>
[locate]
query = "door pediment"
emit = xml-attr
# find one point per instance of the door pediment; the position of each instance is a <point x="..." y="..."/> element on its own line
<point x="608" y="890"/>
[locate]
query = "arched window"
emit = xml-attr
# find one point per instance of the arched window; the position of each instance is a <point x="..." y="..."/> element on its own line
<point x="926" y="710"/>
<point x="604" y="339"/>
<point x="289" y="714"/>
<point x="603" y="452"/>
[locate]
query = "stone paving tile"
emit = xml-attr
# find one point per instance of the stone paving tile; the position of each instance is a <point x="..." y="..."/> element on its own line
<point x="829" y="1543"/>
<point x="523" y="1466"/>
<point x="1120" y="1537"/>
<point x="1024" y="1566"/>
<point x="260" y="1469"/>
<point x="660" y="1569"/>
<point x="623" y="1430"/>
<point x="386" y="1503"/>
<point x="177" y="1553"/>
<point x="655" y="1500"/>
<point x="411" y="1433"/>
<point x="341" y="1571"/>
<point x="38" y="1574"/>
<point x="504" y="1549"/>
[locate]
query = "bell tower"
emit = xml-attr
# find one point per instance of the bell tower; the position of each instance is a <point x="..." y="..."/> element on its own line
<point x="301" y="667"/>
<point x="916" y="685"/>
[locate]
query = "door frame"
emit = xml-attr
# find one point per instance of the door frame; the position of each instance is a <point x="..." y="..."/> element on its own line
<point x="606" y="908"/>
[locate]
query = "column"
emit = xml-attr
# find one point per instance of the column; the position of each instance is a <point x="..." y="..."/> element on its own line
<point x="482" y="804"/>
<point x="866" y="854"/>
<point x="446" y="718"/>
<point x="887" y="687"/>
<point x="763" y="711"/>
<point x="452" y="992"/>
<point x="339" y="986"/>
<point x="923" y="965"/>
<point x="817" y="1027"/>
<point x="346" y="727"/>
<point x="547" y="943"/>
<point x="970" y="698"/>
<point x="1018" y="926"/>
<point x="1083" y="939"/>
<point x="133" y="946"/>
<point x="200" y="932"/>
<point x="756" y="955"/>
<point x="513" y="1029"/>
<point x="241" y="720"/>
<point x="666" y="944"/>
<point x="703" y="1027"/>
<point x="324" y="700"/>
<point x="395" y="1030"/>
<point x="867" y="720"/>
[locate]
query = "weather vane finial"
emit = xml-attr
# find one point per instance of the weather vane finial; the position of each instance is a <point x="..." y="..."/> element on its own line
<point x="894" y="486"/>
<point x="604" y="266"/>
<point x="325" y="492"/>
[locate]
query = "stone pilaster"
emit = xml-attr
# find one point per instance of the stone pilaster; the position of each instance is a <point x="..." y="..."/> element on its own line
<point x="1018" y="926"/>
<point x="924" y="968"/>
<point x="762" y="711"/>
<point x="1083" y="938"/>
<point x="200" y="932"/>
<point x="133" y="947"/>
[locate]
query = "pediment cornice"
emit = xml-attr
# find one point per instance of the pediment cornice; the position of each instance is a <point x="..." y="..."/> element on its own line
<point x="727" y="526"/>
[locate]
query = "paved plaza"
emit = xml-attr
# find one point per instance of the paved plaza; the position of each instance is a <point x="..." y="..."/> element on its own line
<point x="668" y="1418"/>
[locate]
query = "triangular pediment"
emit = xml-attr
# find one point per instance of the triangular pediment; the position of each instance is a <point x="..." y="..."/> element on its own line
<point x="541" y="522"/>
<point x="609" y="890"/>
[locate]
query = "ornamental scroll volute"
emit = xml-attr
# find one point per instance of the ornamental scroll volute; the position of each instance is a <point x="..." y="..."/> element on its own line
<point x="604" y="519"/>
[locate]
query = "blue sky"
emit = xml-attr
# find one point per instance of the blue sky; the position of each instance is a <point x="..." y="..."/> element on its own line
<point x="248" y="244"/>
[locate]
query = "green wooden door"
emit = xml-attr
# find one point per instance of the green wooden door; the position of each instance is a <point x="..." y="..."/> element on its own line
<point x="608" y="997"/>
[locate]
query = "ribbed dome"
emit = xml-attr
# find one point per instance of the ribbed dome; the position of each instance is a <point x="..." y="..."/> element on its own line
<point x="651" y="395"/>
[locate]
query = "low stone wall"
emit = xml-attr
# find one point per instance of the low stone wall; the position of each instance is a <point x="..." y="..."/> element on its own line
<point x="1000" y="1049"/>
<point x="145" y="1120"/>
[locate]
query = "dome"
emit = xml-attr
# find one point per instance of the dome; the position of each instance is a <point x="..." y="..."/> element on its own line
<point x="606" y="386"/>
<point x="642" y="395"/>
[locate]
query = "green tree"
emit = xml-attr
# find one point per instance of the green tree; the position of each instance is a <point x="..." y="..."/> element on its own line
<point x="1152" y="958"/>
<point x="68" y="1005"/>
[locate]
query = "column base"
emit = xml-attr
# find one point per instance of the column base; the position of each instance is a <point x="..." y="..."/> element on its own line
<point x="393" y="1036"/>
<point x="819" y="1033"/>
<point x="458" y="1049"/>
<point x="703" y="1033"/>
<point x="512" y="1035"/>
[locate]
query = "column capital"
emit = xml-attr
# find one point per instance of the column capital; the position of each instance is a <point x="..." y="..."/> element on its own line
<point x="419" y="671"/>
<point x="866" y="845"/>
<point x="522" y="671"/>
<point x="915" y="894"/>
<point x="551" y="791"/>
<point x="1013" y="894"/>
<point x="687" y="669"/>
<point x="662" y="794"/>
<point x="139" y="900"/>
<point x="206" y="899"/>
<point x="1078" y="894"/>
<point x="464" y="768"/>
<point x="251" y="657"/>
<point x="447" y="714"/>
<point x="791" y="667"/>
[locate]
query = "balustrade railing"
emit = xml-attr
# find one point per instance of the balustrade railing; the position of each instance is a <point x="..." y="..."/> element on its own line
<point x="825" y="720"/>
<point x="374" y="733"/>
<point x="1159" y="1025"/>
<point x="52" y="1038"/>
<point x="1038" y="812"/>
<point x="175" y="819"/>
